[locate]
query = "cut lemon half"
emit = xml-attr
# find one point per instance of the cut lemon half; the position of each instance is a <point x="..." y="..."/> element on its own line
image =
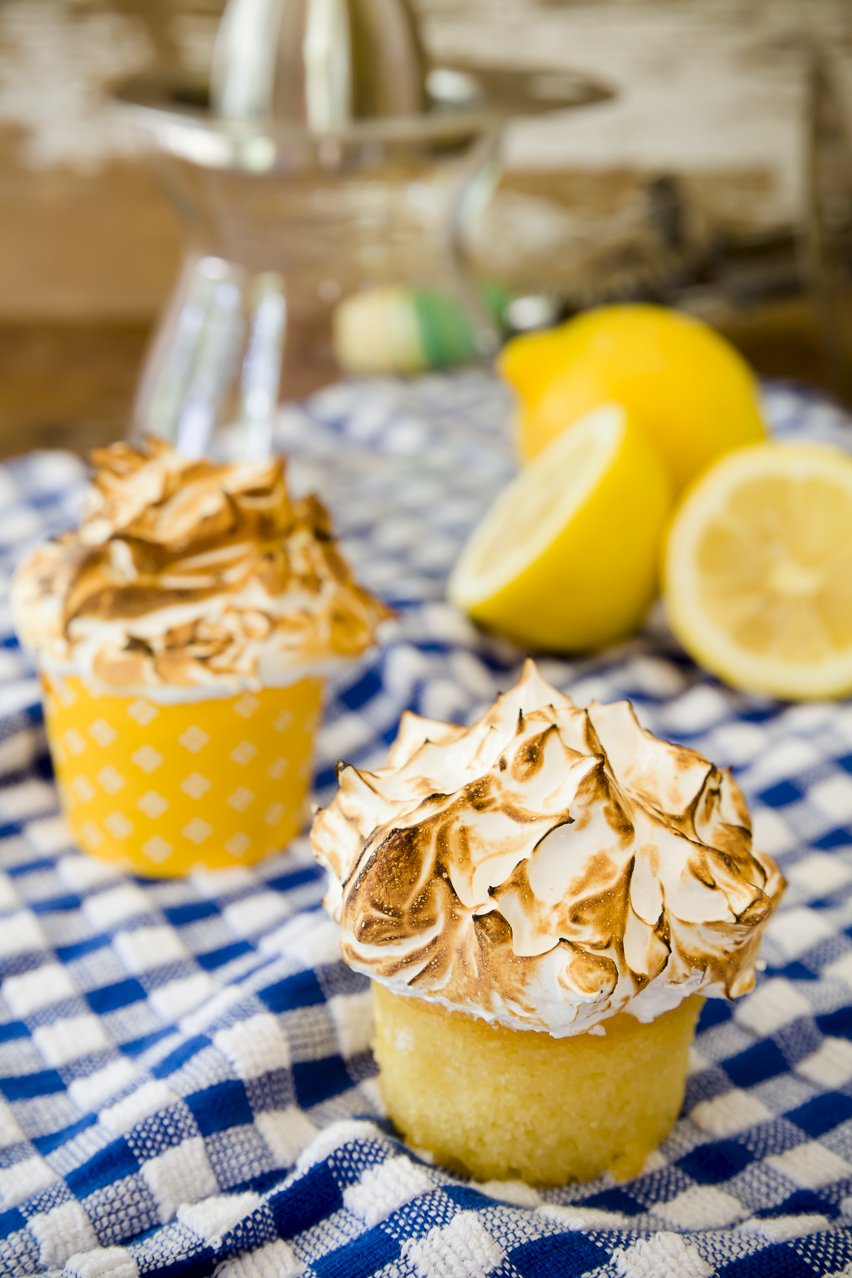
<point x="565" y="559"/>
<point x="758" y="570"/>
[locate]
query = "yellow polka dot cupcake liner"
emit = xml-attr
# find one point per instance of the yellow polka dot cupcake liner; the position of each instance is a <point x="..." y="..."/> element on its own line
<point x="164" y="788"/>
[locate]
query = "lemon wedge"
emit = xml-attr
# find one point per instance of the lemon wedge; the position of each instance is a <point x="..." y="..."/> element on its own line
<point x="758" y="570"/>
<point x="565" y="559"/>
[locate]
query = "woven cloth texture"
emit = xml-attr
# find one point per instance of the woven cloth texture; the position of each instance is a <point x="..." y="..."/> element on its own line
<point x="185" y="1065"/>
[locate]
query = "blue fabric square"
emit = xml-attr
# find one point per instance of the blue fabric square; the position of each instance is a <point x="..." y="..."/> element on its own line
<point x="574" y="1254"/>
<point x="221" y="1106"/>
<point x="822" y="1114"/>
<point x="110" y="1164"/>
<point x="316" y="1081"/>
<point x="360" y="1258"/>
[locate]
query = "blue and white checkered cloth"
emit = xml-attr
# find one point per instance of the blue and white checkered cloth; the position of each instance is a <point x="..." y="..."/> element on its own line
<point x="185" y="1065"/>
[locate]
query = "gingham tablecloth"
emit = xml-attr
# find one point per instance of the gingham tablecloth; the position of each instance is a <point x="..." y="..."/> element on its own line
<point x="186" y="1068"/>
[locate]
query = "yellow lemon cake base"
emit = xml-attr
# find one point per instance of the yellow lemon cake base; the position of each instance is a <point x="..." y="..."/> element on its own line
<point x="501" y="1103"/>
<point x="162" y="789"/>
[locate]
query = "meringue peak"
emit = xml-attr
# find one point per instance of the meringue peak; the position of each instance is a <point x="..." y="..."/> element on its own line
<point x="186" y="572"/>
<point x="547" y="867"/>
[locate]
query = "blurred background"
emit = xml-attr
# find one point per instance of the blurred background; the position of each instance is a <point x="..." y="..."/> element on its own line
<point x="717" y="176"/>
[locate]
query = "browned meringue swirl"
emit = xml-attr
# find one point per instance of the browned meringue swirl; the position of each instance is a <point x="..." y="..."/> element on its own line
<point x="185" y="572"/>
<point x="546" y="868"/>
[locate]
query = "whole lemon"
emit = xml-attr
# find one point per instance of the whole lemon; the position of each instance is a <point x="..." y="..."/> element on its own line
<point x="685" y="386"/>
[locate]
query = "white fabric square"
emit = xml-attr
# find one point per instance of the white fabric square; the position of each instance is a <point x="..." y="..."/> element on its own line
<point x="32" y="991"/>
<point x="830" y="1066"/>
<point x="329" y="1138"/>
<point x="255" y="1046"/>
<point x="69" y="1039"/>
<point x="212" y="1009"/>
<point x="83" y="873"/>
<point x="772" y="834"/>
<point x="773" y="1004"/>
<point x="729" y="1114"/>
<point x="93" y="1090"/>
<point x="662" y="1255"/>
<point x="174" y="1000"/>
<point x="702" y="1207"/>
<point x="149" y="1098"/>
<point x="48" y="834"/>
<point x="580" y="1217"/>
<point x="21" y="931"/>
<point x="179" y="1175"/>
<point x="10" y="1128"/>
<point x="145" y="948"/>
<point x="819" y="874"/>
<point x="515" y="1192"/>
<point x="9" y="899"/>
<point x="254" y="913"/>
<point x="352" y="1015"/>
<point x="464" y="1246"/>
<point x="61" y="1232"/>
<point x="287" y="1132"/>
<point x="22" y="1180"/>
<point x="104" y="1262"/>
<point x="115" y="905"/>
<point x="810" y="1165"/>
<point x="789" y="757"/>
<point x="26" y="799"/>
<point x="275" y="1260"/>
<point x="780" y="1228"/>
<point x="213" y="1217"/>
<point x="840" y="969"/>
<point x="311" y="939"/>
<point x="383" y="1189"/>
<point x="834" y="796"/>
<point x="798" y="930"/>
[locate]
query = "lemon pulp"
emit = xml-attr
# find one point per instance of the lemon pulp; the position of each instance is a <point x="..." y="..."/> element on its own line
<point x="758" y="570"/>
<point x="565" y="558"/>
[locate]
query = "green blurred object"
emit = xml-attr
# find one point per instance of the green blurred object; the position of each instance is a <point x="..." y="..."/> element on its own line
<point x="394" y="329"/>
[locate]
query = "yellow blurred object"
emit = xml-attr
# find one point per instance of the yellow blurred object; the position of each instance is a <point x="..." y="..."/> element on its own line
<point x="162" y="789"/>
<point x="566" y="557"/>
<point x="689" y="390"/>
<point x="758" y="570"/>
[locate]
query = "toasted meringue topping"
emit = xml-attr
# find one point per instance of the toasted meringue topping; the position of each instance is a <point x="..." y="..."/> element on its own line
<point x="187" y="573"/>
<point x="546" y="868"/>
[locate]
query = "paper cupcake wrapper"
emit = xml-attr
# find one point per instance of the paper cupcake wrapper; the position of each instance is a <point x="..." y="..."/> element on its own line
<point x="162" y="789"/>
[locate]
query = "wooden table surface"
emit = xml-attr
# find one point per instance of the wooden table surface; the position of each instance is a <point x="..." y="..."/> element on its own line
<point x="89" y="246"/>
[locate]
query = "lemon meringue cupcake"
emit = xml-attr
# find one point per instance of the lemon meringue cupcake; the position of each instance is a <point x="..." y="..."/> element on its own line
<point x="543" y="901"/>
<point x="183" y="634"/>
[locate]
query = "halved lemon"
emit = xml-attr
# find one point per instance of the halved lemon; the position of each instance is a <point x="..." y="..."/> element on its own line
<point x="757" y="570"/>
<point x="565" y="559"/>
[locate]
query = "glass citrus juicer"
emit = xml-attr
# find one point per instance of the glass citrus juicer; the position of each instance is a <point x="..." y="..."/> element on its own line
<point x="328" y="182"/>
